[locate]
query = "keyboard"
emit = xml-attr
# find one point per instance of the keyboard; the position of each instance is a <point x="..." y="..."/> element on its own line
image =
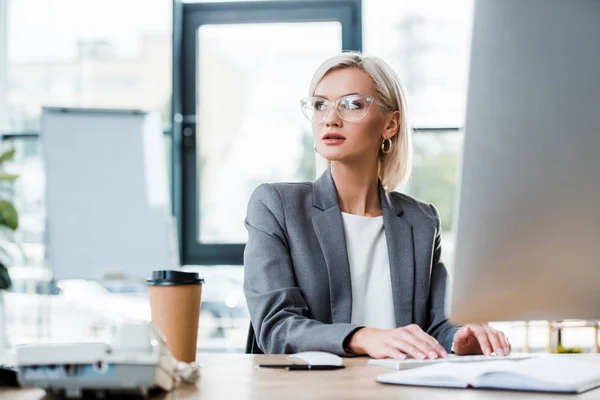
<point x="410" y="363"/>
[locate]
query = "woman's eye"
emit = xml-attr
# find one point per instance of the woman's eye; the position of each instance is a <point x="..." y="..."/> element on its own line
<point x="319" y="105"/>
<point x="352" y="105"/>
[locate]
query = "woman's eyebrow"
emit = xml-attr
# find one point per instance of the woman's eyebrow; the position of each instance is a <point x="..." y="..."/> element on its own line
<point x="325" y="97"/>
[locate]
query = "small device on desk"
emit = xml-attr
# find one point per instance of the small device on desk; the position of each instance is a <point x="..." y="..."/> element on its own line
<point x="8" y="376"/>
<point x="136" y="361"/>
<point x="315" y="358"/>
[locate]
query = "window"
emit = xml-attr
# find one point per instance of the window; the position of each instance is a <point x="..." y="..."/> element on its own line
<point x="108" y="54"/>
<point x="427" y="43"/>
<point x="266" y="137"/>
<point x="3" y="64"/>
<point x="434" y="178"/>
<point x="242" y="123"/>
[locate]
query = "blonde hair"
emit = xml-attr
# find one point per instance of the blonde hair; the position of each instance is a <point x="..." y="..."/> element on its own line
<point x="394" y="167"/>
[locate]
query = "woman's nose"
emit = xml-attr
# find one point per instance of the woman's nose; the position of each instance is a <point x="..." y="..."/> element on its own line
<point x="332" y="118"/>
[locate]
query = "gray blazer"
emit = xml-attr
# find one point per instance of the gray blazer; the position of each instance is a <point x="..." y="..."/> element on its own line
<point x="297" y="275"/>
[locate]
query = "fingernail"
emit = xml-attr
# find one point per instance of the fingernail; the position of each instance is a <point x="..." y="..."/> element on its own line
<point x="433" y="355"/>
<point x="499" y="352"/>
<point x="444" y="354"/>
<point x="487" y="352"/>
<point x="507" y="350"/>
<point x="420" y="356"/>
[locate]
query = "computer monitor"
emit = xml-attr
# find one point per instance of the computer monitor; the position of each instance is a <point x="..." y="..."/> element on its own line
<point x="528" y="228"/>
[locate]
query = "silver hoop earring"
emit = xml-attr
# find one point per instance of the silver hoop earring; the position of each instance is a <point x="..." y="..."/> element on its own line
<point x="386" y="146"/>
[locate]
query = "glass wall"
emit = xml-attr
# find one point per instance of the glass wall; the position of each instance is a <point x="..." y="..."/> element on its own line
<point x="105" y="54"/>
<point x="96" y="54"/>
<point x="266" y="137"/>
<point x="427" y="42"/>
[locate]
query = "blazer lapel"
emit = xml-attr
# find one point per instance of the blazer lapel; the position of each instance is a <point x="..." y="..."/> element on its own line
<point x="399" y="239"/>
<point x="329" y="229"/>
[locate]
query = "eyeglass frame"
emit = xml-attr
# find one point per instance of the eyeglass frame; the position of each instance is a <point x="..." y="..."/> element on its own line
<point x="369" y="99"/>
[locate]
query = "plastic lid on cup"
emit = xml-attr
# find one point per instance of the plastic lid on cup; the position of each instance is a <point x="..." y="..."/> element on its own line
<point x="169" y="277"/>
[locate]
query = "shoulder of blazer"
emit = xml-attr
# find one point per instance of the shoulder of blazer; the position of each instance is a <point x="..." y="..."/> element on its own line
<point x="415" y="211"/>
<point x="292" y="189"/>
<point x="284" y="191"/>
<point x="275" y="195"/>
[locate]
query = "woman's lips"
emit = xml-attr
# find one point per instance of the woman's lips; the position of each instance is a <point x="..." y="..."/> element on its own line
<point x="333" y="139"/>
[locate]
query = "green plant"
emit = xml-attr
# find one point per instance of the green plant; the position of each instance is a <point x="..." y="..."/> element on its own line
<point x="9" y="218"/>
<point x="568" y="350"/>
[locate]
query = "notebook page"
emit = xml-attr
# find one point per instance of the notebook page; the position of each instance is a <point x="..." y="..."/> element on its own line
<point x="559" y="370"/>
<point x="508" y="380"/>
<point x="463" y="374"/>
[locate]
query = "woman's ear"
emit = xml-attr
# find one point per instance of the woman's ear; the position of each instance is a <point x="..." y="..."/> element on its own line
<point x="392" y="124"/>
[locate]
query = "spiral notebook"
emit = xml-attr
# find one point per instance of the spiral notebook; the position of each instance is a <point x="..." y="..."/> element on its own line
<point x="549" y="373"/>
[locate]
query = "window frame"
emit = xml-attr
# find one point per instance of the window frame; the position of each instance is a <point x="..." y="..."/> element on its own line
<point x="188" y="17"/>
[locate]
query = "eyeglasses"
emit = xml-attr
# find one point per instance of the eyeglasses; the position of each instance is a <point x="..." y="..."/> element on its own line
<point x="352" y="107"/>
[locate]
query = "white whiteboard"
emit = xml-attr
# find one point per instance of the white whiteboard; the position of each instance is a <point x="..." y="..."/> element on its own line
<point x="107" y="199"/>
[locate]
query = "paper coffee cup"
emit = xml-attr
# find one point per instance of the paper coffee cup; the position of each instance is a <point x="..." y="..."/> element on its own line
<point x="175" y="309"/>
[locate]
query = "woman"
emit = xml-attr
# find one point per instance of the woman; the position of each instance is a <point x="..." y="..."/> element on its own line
<point x="345" y="264"/>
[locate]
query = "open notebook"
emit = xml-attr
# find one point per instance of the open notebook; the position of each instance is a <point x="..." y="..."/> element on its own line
<point x="409" y="363"/>
<point x="549" y="373"/>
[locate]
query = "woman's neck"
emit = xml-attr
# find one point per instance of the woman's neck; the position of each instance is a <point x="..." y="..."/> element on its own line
<point x="357" y="188"/>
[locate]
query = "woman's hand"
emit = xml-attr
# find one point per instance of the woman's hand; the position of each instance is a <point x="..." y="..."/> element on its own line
<point x="480" y="339"/>
<point x="396" y="343"/>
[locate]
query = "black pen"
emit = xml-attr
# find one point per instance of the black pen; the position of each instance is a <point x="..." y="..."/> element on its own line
<point x="301" y="367"/>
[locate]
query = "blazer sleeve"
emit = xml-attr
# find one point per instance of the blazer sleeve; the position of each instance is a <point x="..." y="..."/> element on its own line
<point x="439" y="327"/>
<point x="277" y="308"/>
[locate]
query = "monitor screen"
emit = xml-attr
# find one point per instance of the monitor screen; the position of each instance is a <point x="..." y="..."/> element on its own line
<point x="528" y="229"/>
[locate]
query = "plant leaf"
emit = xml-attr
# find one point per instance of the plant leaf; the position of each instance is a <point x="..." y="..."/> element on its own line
<point x="8" y="215"/>
<point x="7" y="155"/>
<point x="8" y="177"/>
<point x="5" y="282"/>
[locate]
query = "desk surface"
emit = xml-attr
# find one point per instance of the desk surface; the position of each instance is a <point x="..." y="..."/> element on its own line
<point x="234" y="376"/>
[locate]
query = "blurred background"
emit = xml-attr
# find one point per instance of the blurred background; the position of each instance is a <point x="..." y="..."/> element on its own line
<point x="226" y="79"/>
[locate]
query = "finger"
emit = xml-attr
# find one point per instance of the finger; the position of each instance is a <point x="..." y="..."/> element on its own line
<point x="410" y="349"/>
<point x="463" y="333"/>
<point x="393" y="352"/>
<point x="428" y="340"/>
<point x="504" y="343"/>
<point x="424" y="347"/>
<point x="433" y="344"/>
<point x="492" y="335"/>
<point x="482" y="337"/>
<point x="409" y="344"/>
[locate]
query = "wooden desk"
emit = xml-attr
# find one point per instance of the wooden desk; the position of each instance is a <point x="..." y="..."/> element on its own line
<point x="234" y="376"/>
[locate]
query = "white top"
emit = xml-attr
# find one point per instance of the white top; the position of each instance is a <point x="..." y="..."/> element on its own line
<point x="372" y="299"/>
